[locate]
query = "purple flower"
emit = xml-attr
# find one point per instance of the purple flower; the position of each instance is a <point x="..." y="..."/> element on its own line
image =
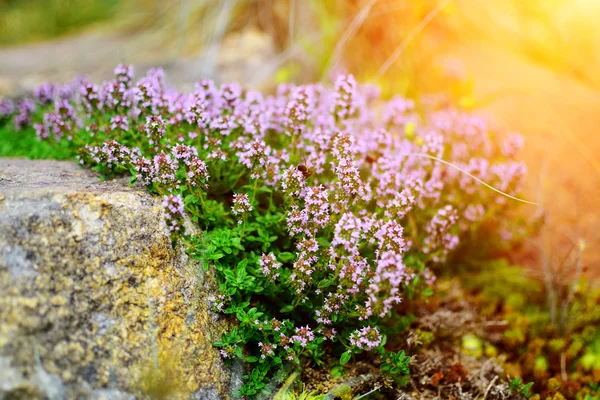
<point x="344" y="102"/>
<point x="119" y="123"/>
<point x="383" y="292"/>
<point x="366" y="338"/>
<point x="254" y="156"/>
<point x="44" y="94"/>
<point x="197" y="173"/>
<point x="7" y="108"/>
<point x="90" y="97"/>
<point x="292" y="182"/>
<point x="440" y="240"/>
<point x="163" y="170"/>
<point x="25" y="109"/>
<point x="230" y="96"/>
<point x="390" y="238"/>
<point x="399" y="112"/>
<point x="155" y="130"/>
<point x="269" y="266"/>
<point x="303" y="335"/>
<point x="124" y="74"/>
<point x="512" y="145"/>
<point x="316" y="205"/>
<point x="111" y="154"/>
<point x="266" y="350"/>
<point x="298" y="110"/>
<point x="184" y="154"/>
<point x="241" y="206"/>
<point x="174" y="212"/>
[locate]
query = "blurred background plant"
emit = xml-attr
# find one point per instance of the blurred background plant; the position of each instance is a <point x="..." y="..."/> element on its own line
<point x="35" y="20"/>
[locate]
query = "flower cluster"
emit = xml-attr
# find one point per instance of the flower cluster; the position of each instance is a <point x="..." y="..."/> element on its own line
<point x="24" y="111"/>
<point x="241" y="206"/>
<point x="270" y="266"/>
<point x="110" y="153"/>
<point x="7" y="108"/>
<point x="319" y="213"/>
<point x="303" y="335"/>
<point x="174" y="212"/>
<point x="366" y="338"/>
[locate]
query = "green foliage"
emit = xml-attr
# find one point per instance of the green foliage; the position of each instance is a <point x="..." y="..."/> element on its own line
<point x="396" y="365"/>
<point x="25" y="144"/>
<point x="517" y="386"/>
<point x="591" y="357"/>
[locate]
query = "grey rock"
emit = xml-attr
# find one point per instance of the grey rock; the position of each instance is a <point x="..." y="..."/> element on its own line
<point x="88" y="273"/>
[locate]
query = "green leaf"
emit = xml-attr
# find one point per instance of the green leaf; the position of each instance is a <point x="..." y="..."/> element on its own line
<point x="324" y="283"/>
<point x="383" y="340"/>
<point x="287" y="309"/>
<point x="190" y="199"/>
<point x="241" y="315"/>
<point x="345" y="358"/>
<point x="251" y="359"/>
<point x="286" y="257"/>
<point x="238" y="352"/>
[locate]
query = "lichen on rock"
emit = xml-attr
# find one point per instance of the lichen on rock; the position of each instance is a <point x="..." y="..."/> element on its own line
<point x="89" y="277"/>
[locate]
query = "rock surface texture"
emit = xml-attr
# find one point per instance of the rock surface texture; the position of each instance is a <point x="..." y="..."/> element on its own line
<point x="94" y="301"/>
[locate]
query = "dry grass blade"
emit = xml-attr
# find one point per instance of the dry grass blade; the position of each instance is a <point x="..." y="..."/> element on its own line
<point x="221" y="24"/>
<point x="348" y="33"/>
<point x="456" y="167"/>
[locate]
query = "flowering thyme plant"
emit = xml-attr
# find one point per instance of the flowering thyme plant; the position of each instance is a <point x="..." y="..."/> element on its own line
<point x="318" y="207"/>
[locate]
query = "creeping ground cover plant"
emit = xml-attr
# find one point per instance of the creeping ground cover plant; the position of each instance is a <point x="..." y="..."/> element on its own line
<point x="320" y="208"/>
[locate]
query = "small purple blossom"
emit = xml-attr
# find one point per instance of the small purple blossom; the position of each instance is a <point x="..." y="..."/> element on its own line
<point x="44" y="94"/>
<point x="269" y="266"/>
<point x="344" y="104"/>
<point x="119" y="123"/>
<point x="197" y="173"/>
<point x="124" y="74"/>
<point x="303" y="335"/>
<point x="440" y="240"/>
<point x="155" y="130"/>
<point x="254" y="156"/>
<point x="366" y="338"/>
<point x="25" y="109"/>
<point x="241" y="206"/>
<point x="266" y="350"/>
<point x="292" y="182"/>
<point x="163" y="169"/>
<point x="174" y="212"/>
<point x="7" y="108"/>
<point x="384" y="291"/>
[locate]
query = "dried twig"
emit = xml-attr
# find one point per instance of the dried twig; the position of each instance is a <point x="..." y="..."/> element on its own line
<point x="489" y="387"/>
